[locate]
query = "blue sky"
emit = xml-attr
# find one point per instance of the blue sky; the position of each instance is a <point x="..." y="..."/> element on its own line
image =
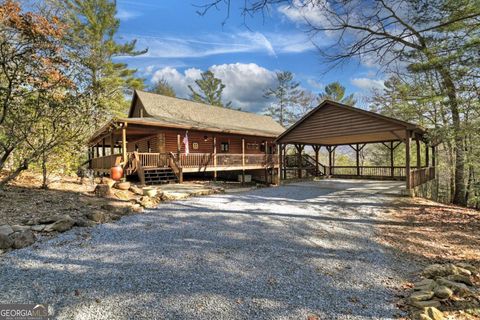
<point x="182" y="44"/>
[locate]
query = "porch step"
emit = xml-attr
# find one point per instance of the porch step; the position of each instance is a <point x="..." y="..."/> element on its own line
<point x="159" y="176"/>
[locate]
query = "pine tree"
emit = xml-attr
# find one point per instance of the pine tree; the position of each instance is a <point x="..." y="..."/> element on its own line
<point x="286" y="96"/>
<point x="93" y="27"/>
<point x="164" y="88"/>
<point x="336" y="92"/>
<point x="211" y="90"/>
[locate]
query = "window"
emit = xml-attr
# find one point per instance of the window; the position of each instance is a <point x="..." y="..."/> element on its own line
<point x="195" y="145"/>
<point x="224" y="147"/>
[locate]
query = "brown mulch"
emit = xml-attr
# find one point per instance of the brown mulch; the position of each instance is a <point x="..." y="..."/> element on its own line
<point x="24" y="199"/>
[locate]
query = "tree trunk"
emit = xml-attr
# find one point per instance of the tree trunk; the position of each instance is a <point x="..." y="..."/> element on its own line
<point x="459" y="194"/>
<point x="44" y="171"/>
<point x="13" y="175"/>
<point x="4" y="157"/>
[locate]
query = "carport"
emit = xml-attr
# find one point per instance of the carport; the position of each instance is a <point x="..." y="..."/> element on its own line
<point x="333" y="124"/>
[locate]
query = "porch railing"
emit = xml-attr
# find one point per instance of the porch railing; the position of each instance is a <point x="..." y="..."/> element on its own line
<point x="152" y="160"/>
<point x="198" y="160"/>
<point x="368" y="171"/>
<point x="106" y="162"/>
<point x="421" y="175"/>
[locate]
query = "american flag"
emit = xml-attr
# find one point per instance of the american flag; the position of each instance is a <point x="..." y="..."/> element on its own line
<point x="185" y="142"/>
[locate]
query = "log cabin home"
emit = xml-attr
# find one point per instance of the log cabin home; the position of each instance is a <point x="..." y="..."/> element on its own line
<point x="165" y="138"/>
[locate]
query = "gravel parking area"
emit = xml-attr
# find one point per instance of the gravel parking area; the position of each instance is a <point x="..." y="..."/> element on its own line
<point x="300" y="250"/>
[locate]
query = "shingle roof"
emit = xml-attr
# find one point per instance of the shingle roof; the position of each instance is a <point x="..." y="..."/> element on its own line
<point x="185" y="113"/>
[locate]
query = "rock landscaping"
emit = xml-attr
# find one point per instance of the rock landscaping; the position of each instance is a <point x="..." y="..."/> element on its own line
<point x="106" y="201"/>
<point x="444" y="288"/>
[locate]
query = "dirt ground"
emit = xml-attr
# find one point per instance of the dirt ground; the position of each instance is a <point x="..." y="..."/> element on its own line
<point x="24" y="199"/>
<point x="430" y="232"/>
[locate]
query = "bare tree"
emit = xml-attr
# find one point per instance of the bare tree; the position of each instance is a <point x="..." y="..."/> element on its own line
<point x="436" y="37"/>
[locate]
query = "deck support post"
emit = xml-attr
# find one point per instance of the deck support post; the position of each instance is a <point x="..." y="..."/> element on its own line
<point x="124" y="144"/>
<point x="103" y="148"/>
<point x="266" y="163"/>
<point x="112" y="144"/>
<point x="214" y="158"/>
<point x="408" y="172"/>
<point x="179" y="147"/>
<point x="243" y="160"/>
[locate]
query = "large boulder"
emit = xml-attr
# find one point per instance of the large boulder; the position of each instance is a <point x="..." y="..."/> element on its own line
<point x="443" y="292"/>
<point x="61" y="225"/>
<point x="439" y="270"/>
<point x="5" y="242"/>
<point x="83" y="223"/>
<point x="459" y="288"/>
<point x="103" y="190"/>
<point x="433" y="313"/>
<point x="6" y="230"/>
<point x="23" y="239"/>
<point x="97" y="216"/>
<point x="421" y="295"/>
<point x="424" y="285"/>
<point x="18" y="228"/>
<point x="108" y="181"/>
<point x="136" y="190"/>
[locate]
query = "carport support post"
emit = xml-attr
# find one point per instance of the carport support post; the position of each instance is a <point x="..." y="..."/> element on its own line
<point x="280" y="164"/>
<point x="408" y="139"/>
<point x="357" y="152"/>
<point x="433" y="156"/>
<point x="299" y="159"/>
<point x="284" y="159"/>
<point x="316" y="148"/>
<point x="427" y="155"/>
<point x="329" y="149"/>
<point x="419" y="162"/>
<point x="392" y="149"/>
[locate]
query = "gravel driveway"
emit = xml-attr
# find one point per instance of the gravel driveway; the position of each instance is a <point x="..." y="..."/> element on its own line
<point x="274" y="253"/>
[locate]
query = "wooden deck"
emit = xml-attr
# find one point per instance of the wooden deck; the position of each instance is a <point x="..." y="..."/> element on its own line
<point x="186" y="163"/>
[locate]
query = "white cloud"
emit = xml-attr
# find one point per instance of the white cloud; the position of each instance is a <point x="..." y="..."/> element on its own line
<point x="315" y="84"/>
<point x="224" y="43"/>
<point x="305" y="12"/>
<point x="244" y="82"/>
<point x="179" y="81"/>
<point x="368" y="84"/>
<point x="125" y="15"/>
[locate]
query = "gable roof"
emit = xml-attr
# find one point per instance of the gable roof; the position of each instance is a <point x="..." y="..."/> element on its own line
<point x="332" y="123"/>
<point x="193" y="115"/>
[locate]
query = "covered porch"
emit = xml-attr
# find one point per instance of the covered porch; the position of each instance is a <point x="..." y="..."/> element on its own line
<point x="332" y="125"/>
<point x="145" y="148"/>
